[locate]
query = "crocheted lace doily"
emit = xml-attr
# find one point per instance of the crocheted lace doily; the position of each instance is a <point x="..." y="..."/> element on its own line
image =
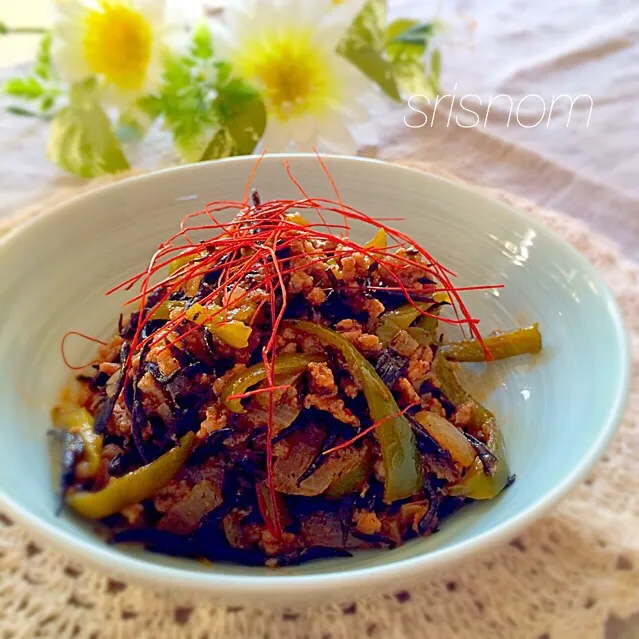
<point x="562" y="579"/>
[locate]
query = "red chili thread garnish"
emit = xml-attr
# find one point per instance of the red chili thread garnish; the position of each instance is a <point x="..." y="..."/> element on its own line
<point x="83" y="336"/>
<point x="370" y="429"/>
<point x="257" y="391"/>
<point x="254" y="242"/>
<point x="332" y="181"/>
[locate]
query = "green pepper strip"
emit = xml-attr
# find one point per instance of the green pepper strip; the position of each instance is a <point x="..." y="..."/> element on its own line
<point x="517" y="342"/>
<point x="402" y="464"/>
<point x="137" y="485"/>
<point x="80" y="421"/>
<point x="400" y="319"/>
<point x="244" y="379"/>
<point x="352" y="480"/>
<point x="475" y="484"/>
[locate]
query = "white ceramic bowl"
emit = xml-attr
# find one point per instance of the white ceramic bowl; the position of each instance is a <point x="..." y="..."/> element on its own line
<point x="558" y="411"/>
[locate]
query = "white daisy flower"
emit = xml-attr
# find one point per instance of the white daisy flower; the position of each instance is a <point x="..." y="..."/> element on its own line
<point x="121" y="42"/>
<point x="287" y="48"/>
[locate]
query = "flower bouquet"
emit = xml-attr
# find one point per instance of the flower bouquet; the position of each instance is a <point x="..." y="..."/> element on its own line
<point x="279" y="74"/>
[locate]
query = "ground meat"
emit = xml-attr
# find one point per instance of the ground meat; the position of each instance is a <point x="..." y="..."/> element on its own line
<point x="408" y="395"/>
<point x="367" y="522"/>
<point x="272" y="546"/>
<point x="216" y="418"/>
<point x="404" y="344"/>
<point x="332" y="405"/>
<point x="300" y="282"/>
<point x="311" y="344"/>
<point x="321" y="380"/>
<point x="120" y="422"/>
<point x="463" y="415"/>
<point x="153" y="393"/>
<point x="109" y="452"/>
<point x="163" y="358"/>
<point x="349" y="386"/>
<point x="352" y="331"/>
<point x="433" y="405"/>
<point x="133" y="514"/>
<point x="349" y="270"/>
<point x="109" y="368"/>
<point x="288" y="349"/>
<point x="317" y="296"/>
<point x="369" y="344"/>
<point x="417" y="371"/>
<point x="110" y="351"/>
<point x="348" y="326"/>
<point x="409" y="274"/>
<point x="374" y="308"/>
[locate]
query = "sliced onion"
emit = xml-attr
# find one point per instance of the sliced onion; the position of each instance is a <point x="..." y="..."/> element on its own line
<point x="447" y="437"/>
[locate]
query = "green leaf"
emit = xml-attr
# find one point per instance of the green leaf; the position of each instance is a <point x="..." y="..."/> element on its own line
<point x="363" y="45"/>
<point x="202" y="43"/>
<point x="18" y="110"/>
<point x="46" y="104"/>
<point x="133" y="123"/>
<point x="186" y="103"/>
<point x="416" y="33"/>
<point x="369" y="25"/>
<point x="4" y="29"/>
<point x="81" y="139"/>
<point x="151" y="105"/>
<point x="436" y="64"/>
<point x="242" y="117"/>
<point x="241" y="110"/>
<point x="27" y="88"/>
<point x="247" y="127"/>
<point x="407" y="56"/>
<point x="221" y="145"/>
<point x="43" y="66"/>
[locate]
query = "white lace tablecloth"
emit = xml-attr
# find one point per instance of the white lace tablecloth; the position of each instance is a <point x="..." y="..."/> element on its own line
<point x="574" y="575"/>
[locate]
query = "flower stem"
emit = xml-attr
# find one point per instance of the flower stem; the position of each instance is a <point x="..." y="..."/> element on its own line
<point x="6" y="30"/>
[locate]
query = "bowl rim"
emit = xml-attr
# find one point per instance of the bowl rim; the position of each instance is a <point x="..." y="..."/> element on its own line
<point x="274" y="587"/>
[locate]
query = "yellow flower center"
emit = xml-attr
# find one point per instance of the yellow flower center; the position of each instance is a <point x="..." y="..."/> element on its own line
<point x="117" y="44"/>
<point x="293" y="75"/>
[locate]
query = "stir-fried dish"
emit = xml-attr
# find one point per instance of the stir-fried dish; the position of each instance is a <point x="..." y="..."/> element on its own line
<point x="281" y="393"/>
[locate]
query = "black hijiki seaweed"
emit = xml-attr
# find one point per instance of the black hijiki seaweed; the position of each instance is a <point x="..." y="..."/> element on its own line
<point x="390" y="366"/>
<point x="72" y="449"/>
<point x="329" y="441"/>
<point x="138" y="416"/>
<point x="212" y="446"/>
<point x="336" y="309"/>
<point x="124" y="462"/>
<point x="106" y="408"/>
<point x="489" y="460"/>
<point x="429" y="521"/>
<point x="375" y="539"/>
